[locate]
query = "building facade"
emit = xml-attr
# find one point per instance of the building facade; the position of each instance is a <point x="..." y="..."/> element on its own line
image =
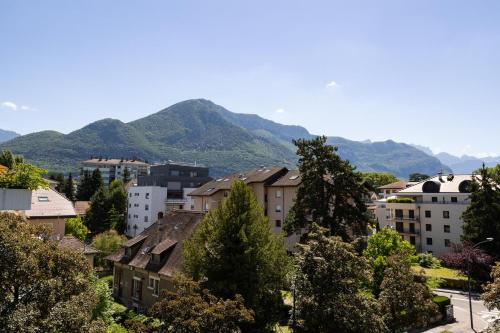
<point x="428" y="214"/>
<point x="143" y="205"/>
<point x="112" y="168"/>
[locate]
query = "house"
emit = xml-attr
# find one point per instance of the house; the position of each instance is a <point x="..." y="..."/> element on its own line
<point x="74" y="244"/>
<point x="51" y="208"/>
<point x="81" y="207"/>
<point x="429" y="213"/>
<point x="145" y="264"/>
<point x="112" y="168"/>
<point x="143" y="205"/>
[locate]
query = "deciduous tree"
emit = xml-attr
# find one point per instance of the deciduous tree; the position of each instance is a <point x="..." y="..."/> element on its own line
<point x="377" y="179"/>
<point x="491" y="297"/>
<point x="418" y="177"/>
<point x="233" y="251"/>
<point x="75" y="227"/>
<point x="107" y="243"/>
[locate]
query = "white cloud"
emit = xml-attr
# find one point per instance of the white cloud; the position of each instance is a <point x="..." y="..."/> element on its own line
<point x="9" y="105"/>
<point x="280" y="111"/>
<point x="27" y="108"/>
<point x="332" y="84"/>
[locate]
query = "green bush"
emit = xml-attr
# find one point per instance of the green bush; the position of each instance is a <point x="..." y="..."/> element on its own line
<point x="400" y="200"/>
<point x="427" y="260"/>
<point x="441" y="302"/>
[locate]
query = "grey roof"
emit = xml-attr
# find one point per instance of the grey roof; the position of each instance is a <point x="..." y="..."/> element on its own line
<point x="447" y="185"/>
<point x="291" y="178"/>
<point x="73" y="243"/>
<point x="47" y="203"/>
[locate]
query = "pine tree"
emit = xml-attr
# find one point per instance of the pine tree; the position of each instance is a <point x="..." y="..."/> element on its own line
<point x="89" y="184"/>
<point x="233" y="251"/>
<point x="126" y="175"/>
<point x="97" y="218"/>
<point x="68" y="188"/>
<point x="481" y="219"/>
<point x="331" y="192"/>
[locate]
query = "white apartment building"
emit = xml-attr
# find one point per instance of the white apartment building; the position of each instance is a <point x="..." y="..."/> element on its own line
<point x="428" y="214"/>
<point x="112" y="168"/>
<point x="144" y="204"/>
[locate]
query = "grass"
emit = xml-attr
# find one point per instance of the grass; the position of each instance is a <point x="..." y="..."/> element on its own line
<point x="442" y="272"/>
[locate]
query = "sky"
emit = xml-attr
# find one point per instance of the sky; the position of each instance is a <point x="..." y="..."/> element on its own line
<point x="425" y="72"/>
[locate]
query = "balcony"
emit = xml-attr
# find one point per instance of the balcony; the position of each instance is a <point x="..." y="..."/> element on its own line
<point x="404" y="218"/>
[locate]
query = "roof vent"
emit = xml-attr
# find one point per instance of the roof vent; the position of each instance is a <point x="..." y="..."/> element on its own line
<point x="450" y="177"/>
<point x="431" y="186"/>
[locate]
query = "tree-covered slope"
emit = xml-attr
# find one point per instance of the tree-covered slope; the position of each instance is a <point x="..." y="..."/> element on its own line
<point x="199" y="130"/>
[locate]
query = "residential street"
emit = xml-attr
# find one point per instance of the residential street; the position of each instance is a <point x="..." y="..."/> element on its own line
<point x="460" y="303"/>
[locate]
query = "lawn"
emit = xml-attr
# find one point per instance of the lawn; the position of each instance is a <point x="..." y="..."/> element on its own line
<point x="442" y="272"/>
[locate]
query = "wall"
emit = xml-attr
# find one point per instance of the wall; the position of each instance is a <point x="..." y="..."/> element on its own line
<point x="136" y="215"/>
<point x="57" y="225"/>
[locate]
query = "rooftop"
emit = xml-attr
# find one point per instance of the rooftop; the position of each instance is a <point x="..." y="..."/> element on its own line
<point x="81" y="207"/>
<point x="442" y="184"/>
<point x="47" y="203"/>
<point x="399" y="185"/>
<point x="115" y="161"/>
<point x="291" y="178"/>
<point x="73" y="243"/>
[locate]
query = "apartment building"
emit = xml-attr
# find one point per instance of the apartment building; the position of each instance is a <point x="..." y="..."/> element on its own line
<point x="176" y="176"/>
<point x="428" y="214"/>
<point x="145" y="264"/>
<point x="112" y="168"/>
<point x="143" y="205"/>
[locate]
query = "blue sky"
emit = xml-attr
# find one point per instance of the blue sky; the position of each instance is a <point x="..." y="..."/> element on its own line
<point x="425" y="72"/>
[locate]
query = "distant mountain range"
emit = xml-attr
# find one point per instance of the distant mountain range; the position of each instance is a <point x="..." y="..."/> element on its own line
<point x="464" y="164"/>
<point x="7" y="135"/>
<point x="199" y="130"/>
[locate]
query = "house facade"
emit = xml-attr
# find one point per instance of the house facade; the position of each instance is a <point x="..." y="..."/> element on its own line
<point x="146" y="264"/>
<point x="429" y="214"/>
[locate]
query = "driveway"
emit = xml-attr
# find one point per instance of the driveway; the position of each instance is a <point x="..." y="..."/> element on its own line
<point x="460" y="302"/>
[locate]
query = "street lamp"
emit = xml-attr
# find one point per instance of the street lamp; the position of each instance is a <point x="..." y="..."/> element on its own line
<point x="489" y="239"/>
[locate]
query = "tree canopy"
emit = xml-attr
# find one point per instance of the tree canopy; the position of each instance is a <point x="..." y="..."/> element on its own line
<point x="233" y="251"/>
<point x="418" y="177"/>
<point x="90" y="183"/>
<point x="331" y="193"/>
<point x="376" y="179"/>
<point x="329" y="284"/>
<point x="20" y="175"/>
<point x="74" y="226"/>
<point x="491" y="297"/>
<point x="107" y="243"/>
<point x="43" y="288"/>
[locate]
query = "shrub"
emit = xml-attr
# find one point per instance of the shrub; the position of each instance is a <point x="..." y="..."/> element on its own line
<point x="427" y="260"/>
<point x="442" y="302"/>
<point x="480" y="261"/>
<point x="400" y="200"/>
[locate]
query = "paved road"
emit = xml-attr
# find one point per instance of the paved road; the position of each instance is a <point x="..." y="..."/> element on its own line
<point x="460" y="302"/>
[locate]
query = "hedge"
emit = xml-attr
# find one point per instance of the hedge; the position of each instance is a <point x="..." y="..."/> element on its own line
<point x="442" y="302"/>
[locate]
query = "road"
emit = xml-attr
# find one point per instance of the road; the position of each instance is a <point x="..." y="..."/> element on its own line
<point x="460" y="302"/>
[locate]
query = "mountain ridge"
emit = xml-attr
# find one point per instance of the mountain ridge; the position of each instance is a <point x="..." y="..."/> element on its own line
<point x="6" y="135"/>
<point x="202" y="131"/>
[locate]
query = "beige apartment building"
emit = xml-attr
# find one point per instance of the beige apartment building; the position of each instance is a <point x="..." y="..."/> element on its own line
<point x="428" y="214"/>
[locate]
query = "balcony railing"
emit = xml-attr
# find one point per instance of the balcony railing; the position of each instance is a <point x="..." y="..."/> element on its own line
<point x="404" y="218"/>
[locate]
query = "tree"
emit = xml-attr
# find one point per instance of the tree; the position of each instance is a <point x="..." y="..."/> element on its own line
<point x="10" y="160"/>
<point x="43" y="288"/>
<point x="376" y="179"/>
<point x="381" y="246"/>
<point x="460" y="254"/>
<point x="331" y="192"/>
<point x="418" y="177"/>
<point x="482" y="215"/>
<point x="190" y="308"/>
<point x="97" y="218"/>
<point x="75" y="227"/>
<point x="329" y="283"/>
<point x="118" y="201"/>
<point x="491" y="297"/>
<point x="233" y="251"/>
<point x="107" y="243"/>
<point x="68" y="188"/>
<point x="405" y="298"/>
<point x="23" y="176"/>
<point x="59" y="178"/>
<point x="89" y="184"/>
<point x="126" y="175"/>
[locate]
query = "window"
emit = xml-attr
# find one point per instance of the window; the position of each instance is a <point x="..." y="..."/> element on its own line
<point x="175" y="186"/>
<point x="129" y="205"/>
<point x="446" y="228"/>
<point x="412" y="240"/>
<point x="226" y="193"/>
<point x="128" y="215"/>
<point x="146" y="207"/>
<point x="399" y="227"/>
<point x="194" y="174"/>
<point x="137" y="288"/>
<point x="174" y="172"/>
<point x="447" y="243"/>
<point x="136" y="194"/>
<point x="278" y="194"/>
<point x="136" y="205"/>
<point x="147" y="195"/>
<point x="446" y="214"/>
<point x="145" y="219"/>
<point x="43" y="199"/>
<point x="429" y="241"/>
<point x="454" y="199"/>
<point x="434" y="199"/>
<point x="399" y="213"/>
<point x="278" y="208"/>
<point x="412" y="227"/>
<point x="154" y="284"/>
<point x="428" y="227"/>
<point x="428" y="214"/>
<point x="411" y="214"/>
<point x="130" y="195"/>
<point x="277" y="223"/>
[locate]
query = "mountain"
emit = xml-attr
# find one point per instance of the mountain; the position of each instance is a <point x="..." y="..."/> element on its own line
<point x="464" y="164"/>
<point x="7" y="135"/>
<point x="199" y="130"/>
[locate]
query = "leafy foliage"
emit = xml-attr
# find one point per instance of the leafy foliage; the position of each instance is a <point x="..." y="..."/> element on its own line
<point x="491" y="296"/>
<point x="482" y="215"/>
<point x="377" y="179"/>
<point x="107" y="242"/>
<point x="418" y="177"/>
<point x="405" y="299"/>
<point x="400" y="200"/>
<point x="461" y="253"/>
<point x="382" y="245"/>
<point x="74" y="226"/>
<point x="43" y="288"/>
<point x="90" y="183"/>
<point x="331" y="192"/>
<point x="20" y="175"/>
<point x="427" y="260"/>
<point x="328" y="283"/>
<point x="233" y="251"/>
<point x="189" y="308"/>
